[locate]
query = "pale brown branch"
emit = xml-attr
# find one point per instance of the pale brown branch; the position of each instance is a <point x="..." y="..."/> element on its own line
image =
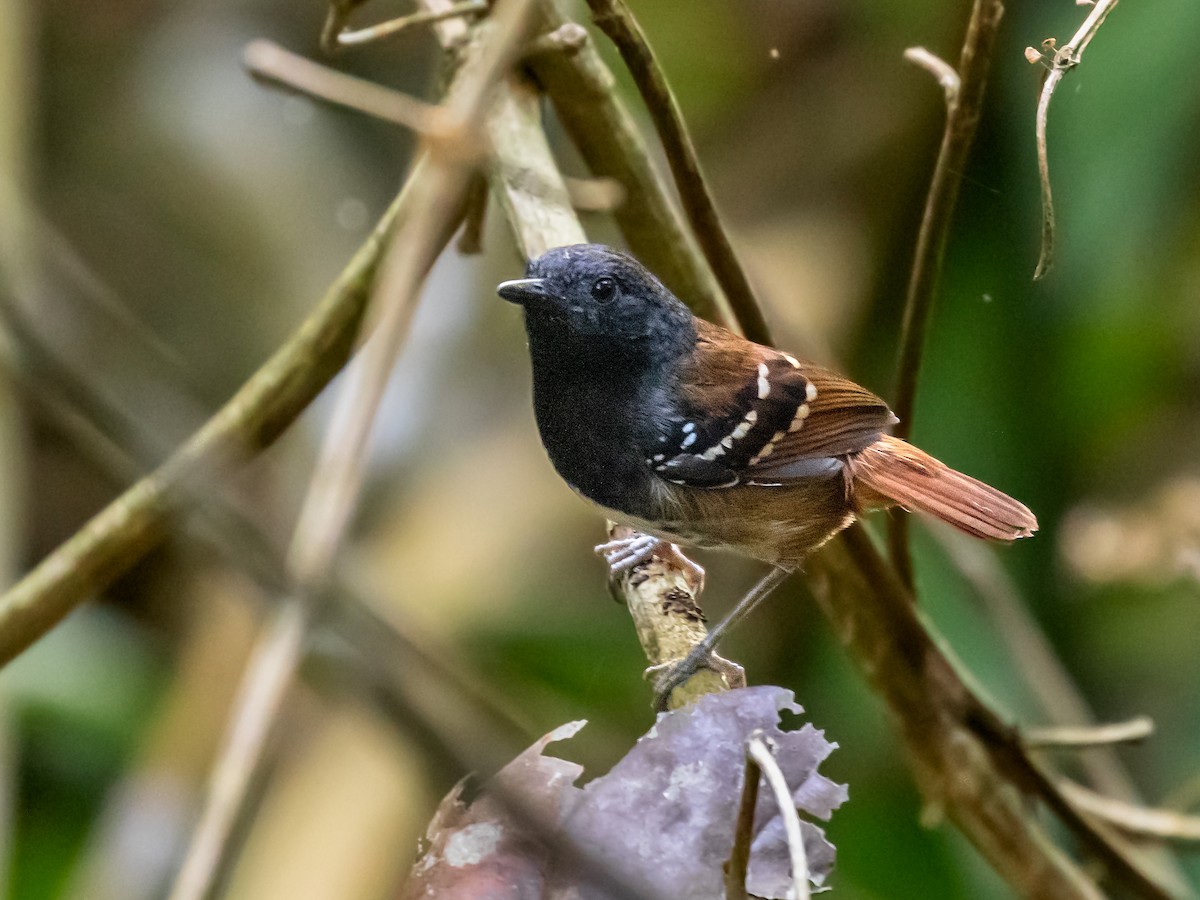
<point x="1061" y="61"/>
<point x="964" y="108"/>
<point x="268" y="61"/>
<point x="1134" y="820"/>
<point x="393" y="27"/>
<point x="1064" y="736"/>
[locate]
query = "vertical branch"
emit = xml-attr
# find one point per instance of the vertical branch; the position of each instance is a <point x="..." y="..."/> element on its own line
<point x="964" y="107"/>
<point x="616" y="21"/>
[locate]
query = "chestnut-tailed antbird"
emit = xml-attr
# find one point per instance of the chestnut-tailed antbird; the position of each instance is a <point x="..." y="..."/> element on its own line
<point x="693" y="434"/>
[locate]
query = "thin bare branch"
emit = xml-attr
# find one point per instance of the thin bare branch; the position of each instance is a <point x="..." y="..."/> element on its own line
<point x="1140" y="821"/>
<point x="268" y="61"/>
<point x="1061" y="61"/>
<point x="964" y="107"/>
<point x="757" y="750"/>
<point x="616" y="21"/>
<point x="1062" y="736"/>
<point x="393" y="27"/>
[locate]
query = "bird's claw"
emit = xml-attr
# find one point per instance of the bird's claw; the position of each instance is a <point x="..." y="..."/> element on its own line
<point x="665" y="677"/>
<point x="624" y="554"/>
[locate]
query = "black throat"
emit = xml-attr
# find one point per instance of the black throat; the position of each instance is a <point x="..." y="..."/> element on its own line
<point x="591" y="413"/>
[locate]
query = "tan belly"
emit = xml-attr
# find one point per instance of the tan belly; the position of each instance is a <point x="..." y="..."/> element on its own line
<point x="787" y="522"/>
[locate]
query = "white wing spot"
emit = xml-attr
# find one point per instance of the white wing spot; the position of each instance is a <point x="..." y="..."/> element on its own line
<point x="689" y="427"/>
<point x="752" y="416"/>
<point x="689" y="440"/>
<point x="764" y="386"/>
<point x="795" y="362"/>
<point x="801" y="414"/>
<point x="810" y="392"/>
<point x="659" y="457"/>
<point x="778" y="437"/>
<point x="740" y="431"/>
<point x="712" y="453"/>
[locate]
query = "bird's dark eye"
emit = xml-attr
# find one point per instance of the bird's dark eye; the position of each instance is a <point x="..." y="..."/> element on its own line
<point x="603" y="290"/>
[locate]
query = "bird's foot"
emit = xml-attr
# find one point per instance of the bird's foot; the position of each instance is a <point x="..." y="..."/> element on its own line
<point x="666" y="677"/>
<point x="625" y="553"/>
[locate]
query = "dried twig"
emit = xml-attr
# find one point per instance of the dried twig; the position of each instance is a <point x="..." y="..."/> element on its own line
<point x="964" y="107"/>
<point x="757" y="750"/>
<point x="1062" y="736"/>
<point x="616" y="21"/>
<point x="393" y="27"/>
<point x="1134" y="820"/>
<point x="268" y="61"/>
<point x="1061" y="61"/>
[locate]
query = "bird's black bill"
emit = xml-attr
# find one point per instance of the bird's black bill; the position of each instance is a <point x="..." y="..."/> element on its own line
<point x="521" y="290"/>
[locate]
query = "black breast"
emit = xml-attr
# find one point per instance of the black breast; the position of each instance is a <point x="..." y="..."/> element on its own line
<point x="591" y="431"/>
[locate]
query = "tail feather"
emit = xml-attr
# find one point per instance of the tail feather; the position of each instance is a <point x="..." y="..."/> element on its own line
<point x="892" y="471"/>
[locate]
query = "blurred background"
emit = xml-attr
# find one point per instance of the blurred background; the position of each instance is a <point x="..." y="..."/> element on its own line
<point x="167" y="222"/>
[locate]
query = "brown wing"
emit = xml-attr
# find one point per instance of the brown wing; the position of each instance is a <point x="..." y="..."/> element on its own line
<point x="751" y="413"/>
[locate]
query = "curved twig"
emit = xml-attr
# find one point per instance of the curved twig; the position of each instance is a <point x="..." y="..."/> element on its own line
<point x="1061" y="61"/>
<point x="757" y="750"/>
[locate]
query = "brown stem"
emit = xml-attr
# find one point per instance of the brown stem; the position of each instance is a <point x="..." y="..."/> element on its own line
<point x="616" y="21"/>
<point x="964" y="107"/>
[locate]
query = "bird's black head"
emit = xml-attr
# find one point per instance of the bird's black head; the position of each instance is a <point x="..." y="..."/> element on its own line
<point x="592" y="300"/>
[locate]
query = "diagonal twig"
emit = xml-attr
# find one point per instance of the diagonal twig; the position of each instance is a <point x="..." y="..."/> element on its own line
<point x="1134" y="820"/>
<point x="615" y="20"/>
<point x="1061" y="61"/>
<point x="393" y="27"/>
<point x="964" y="107"/>
<point x="268" y="61"/>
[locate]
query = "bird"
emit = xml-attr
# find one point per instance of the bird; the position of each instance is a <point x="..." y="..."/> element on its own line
<point x="695" y="435"/>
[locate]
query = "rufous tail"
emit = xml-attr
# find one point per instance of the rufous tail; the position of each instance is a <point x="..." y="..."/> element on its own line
<point x="892" y="471"/>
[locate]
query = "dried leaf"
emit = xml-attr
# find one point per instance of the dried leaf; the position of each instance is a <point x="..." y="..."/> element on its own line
<point x="660" y="822"/>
